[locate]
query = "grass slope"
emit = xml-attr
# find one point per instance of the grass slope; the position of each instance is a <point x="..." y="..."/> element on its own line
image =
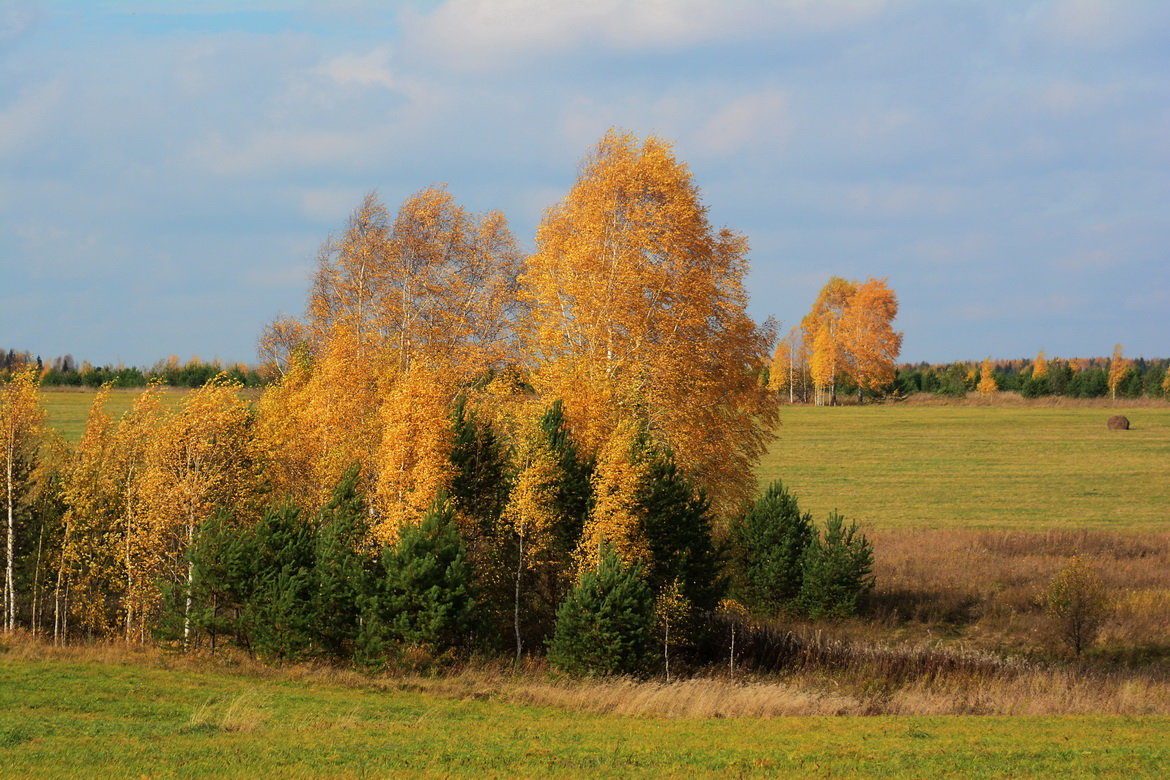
<point x="65" y="718"/>
<point x="976" y="466"/>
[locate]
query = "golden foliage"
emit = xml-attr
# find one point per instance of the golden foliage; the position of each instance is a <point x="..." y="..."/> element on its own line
<point x="1119" y="368"/>
<point x="850" y="330"/>
<point x="987" y="384"/>
<point x="824" y="363"/>
<point x="439" y="282"/>
<point x="199" y="459"/>
<point x="22" y="421"/>
<point x="413" y="459"/>
<point x="614" y="520"/>
<point x="638" y="310"/>
<point x="531" y="511"/>
<point x="867" y="335"/>
<point x="1040" y="367"/>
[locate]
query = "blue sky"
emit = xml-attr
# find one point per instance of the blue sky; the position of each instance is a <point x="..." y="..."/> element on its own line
<point x="167" y="171"/>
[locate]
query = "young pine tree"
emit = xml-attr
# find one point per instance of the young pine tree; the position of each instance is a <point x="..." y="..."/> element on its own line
<point x="838" y="571"/>
<point x="343" y="572"/>
<point x="606" y="624"/>
<point x="424" y="595"/>
<point x="766" y="548"/>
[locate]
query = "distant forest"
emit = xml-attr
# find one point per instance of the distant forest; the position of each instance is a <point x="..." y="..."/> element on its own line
<point x="1072" y="378"/>
<point x="67" y="372"/>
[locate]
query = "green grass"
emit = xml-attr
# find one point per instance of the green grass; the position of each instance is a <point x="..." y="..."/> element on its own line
<point x="67" y="718"/>
<point x="930" y="466"/>
<point x="66" y="408"/>
<point x="976" y="466"/>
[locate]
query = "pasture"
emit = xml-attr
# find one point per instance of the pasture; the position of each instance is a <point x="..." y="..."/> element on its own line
<point x="63" y="716"/>
<point x="1023" y="467"/>
<point x="976" y="467"/>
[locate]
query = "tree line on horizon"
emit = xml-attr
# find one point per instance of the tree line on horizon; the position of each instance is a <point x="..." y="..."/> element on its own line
<point x="450" y="424"/>
<point x="65" y="371"/>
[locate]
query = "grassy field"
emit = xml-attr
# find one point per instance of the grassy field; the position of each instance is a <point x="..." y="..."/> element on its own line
<point x="1027" y="467"/>
<point x="61" y="717"/>
<point x="67" y="408"/>
<point x="976" y="466"/>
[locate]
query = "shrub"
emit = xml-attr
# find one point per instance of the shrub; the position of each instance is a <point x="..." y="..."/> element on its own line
<point x="1077" y="604"/>
<point x="838" y="571"/>
<point x="605" y="625"/>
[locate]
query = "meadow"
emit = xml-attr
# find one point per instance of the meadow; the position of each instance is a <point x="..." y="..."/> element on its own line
<point x="95" y="711"/>
<point x="926" y="466"/>
<point x="1020" y="467"/>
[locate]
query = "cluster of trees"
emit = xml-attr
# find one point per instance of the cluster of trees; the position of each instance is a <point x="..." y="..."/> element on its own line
<point x="65" y="371"/>
<point x="1114" y="377"/>
<point x="461" y="443"/>
<point x="845" y="343"/>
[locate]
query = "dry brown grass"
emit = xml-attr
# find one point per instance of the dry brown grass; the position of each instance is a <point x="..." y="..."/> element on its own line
<point x="988" y="586"/>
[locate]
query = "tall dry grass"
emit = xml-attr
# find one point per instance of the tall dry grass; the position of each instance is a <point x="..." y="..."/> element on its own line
<point x="989" y="586"/>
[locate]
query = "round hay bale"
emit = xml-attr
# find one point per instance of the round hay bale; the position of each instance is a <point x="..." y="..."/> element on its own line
<point x="1118" y="422"/>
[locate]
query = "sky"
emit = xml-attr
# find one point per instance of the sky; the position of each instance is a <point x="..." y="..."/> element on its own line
<point x="168" y="170"/>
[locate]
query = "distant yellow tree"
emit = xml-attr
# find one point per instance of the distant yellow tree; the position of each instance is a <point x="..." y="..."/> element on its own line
<point x="1119" y="368"/>
<point x="638" y="310"/>
<point x="849" y="332"/>
<point x="1040" y="367"/>
<point x="822" y="338"/>
<point x="987" y="385"/>
<point x="824" y="364"/>
<point x="869" y="342"/>
<point x="789" y="368"/>
<point x="1166" y="383"/>
<point x="21" y="431"/>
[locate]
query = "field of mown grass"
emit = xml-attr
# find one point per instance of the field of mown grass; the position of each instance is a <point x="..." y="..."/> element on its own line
<point x="929" y="466"/>
<point x="61" y="717"/>
<point x="1024" y="467"/>
<point x="67" y="408"/>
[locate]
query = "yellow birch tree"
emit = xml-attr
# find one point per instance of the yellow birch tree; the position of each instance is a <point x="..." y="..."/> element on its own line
<point x="868" y="340"/>
<point x="1119" y="367"/>
<point x="199" y="461"/>
<point x="614" y="519"/>
<point x="638" y="310"/>
<point x="412" y="462"/>
<point x="987" y="385"/>
<point x="21" y="431"/>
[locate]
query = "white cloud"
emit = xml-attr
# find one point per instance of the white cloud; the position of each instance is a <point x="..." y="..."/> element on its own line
<point x="371" y="69"/>
<point x="1097" y="25"/>
<point x="760" y="118"/>
<point x="477" y="34"/>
